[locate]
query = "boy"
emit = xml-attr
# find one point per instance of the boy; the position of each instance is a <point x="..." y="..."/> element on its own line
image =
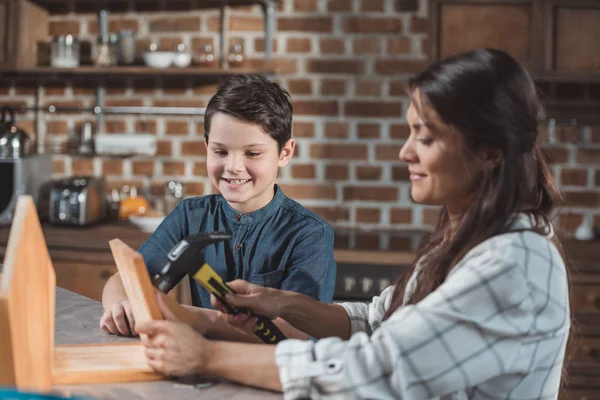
<point x="276" y="242"/>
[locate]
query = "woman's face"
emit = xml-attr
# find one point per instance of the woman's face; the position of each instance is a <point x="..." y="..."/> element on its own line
<point x="443" y="172"/>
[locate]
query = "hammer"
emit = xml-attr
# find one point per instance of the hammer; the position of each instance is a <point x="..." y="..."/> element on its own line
<point x="187" y="257"/>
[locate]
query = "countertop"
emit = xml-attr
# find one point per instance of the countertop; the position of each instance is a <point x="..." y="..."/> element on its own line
<point x="77" y="323"/>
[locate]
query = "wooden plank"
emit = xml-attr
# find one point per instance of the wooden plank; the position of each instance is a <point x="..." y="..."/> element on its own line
<point x="101" y="363"/>
<point x="139" y="289"/>
<point x="134" y="275"/>
<point x="27" y="288"/>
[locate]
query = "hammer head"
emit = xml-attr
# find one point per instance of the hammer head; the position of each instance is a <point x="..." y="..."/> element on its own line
<point x="186" y="257"/>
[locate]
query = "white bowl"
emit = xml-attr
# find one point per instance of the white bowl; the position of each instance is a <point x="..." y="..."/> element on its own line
<point x="159" y="59"/>
<point x="146" y="224"/>
<point x="182" y="60"/>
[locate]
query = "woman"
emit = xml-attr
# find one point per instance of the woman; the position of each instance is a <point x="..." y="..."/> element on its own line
<point x="483" y="313"/>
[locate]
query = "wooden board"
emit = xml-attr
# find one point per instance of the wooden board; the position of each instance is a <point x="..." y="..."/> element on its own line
<point x="101" y="363"/>
<point x="139" y="289"/>
<point x="27" y="288"/>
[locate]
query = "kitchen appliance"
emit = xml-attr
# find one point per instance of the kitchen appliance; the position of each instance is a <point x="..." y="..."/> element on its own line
<point x="77" y="201"/>
<point x="14" y="142"/>
<point x="29" y="175"/>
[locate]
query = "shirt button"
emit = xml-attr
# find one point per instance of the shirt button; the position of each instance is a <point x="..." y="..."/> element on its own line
<point x="238" y="246"/>
<point x="238" y="217"/>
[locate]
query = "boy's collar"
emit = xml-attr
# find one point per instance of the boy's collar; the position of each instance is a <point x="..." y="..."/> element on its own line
<point x="258" y="215"/>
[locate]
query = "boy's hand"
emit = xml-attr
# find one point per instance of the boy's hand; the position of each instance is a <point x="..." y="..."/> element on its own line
<point x="118" y="319"/>
<point x="260" y="300"/>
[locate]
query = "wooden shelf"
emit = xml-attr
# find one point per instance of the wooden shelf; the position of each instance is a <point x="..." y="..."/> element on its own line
<point x="82" y="6"/>
<point x="50" y="73"/>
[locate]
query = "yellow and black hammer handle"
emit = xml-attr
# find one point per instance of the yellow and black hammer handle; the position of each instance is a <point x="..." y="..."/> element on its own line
<point x="267" y="331"/>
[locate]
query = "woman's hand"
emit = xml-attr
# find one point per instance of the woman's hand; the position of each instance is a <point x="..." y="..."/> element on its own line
<point x="260" y="300"/>
<point x="118" y="319"/>
<point x="172" y="347"/>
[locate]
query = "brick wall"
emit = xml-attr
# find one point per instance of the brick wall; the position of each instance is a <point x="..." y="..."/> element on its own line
<point x="343" y="61"/>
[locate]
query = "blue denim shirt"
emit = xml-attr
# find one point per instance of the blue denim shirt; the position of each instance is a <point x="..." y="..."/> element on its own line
<point x="283" y="245"/>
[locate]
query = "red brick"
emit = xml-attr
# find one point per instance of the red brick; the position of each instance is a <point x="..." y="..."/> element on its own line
<point x="333" y="87"/>
<point x="312" y="191"/>
<point x="431" y="216"/>
<point x="376" y="109"/>
<point x="124" y="102"/>
<point x="316" y="107"/>
<point x="173" y="168"/>
<point x="143" y="126"/>
<point x="371" y="193"/>
<point x="369" y="131"/>
<point x="368" y="173"/>
<point x="64" y="27"/>
<point x="366" y="45"/>
<point x="115" y="25"/>
<point x="339" y="151"/>
<point x="569" y="221"/>
<point x="557" y="155"/>
<point x="112" y="167"/>
<point x="194" y="188"/>
<point x="303" y="129"/>
<point x="193" y="148"/>
<point x="169" y="43"/>
<point x="398" y="88"/>
<point x="332" y="46"/>
<point x="179" y="103"/>
<point x="336" y="130"/>
<point x="401" y="215"/>
<point x="300" y="86"/>
<point x="246" y="24"/>
<point x="332" y="214"/>
<point x="588" y="156"/>
<point x="82" y="166"/>
<point x="368" y="215"/>
<point x="398" y="67"/>
<point x="176" y="128"/>
<point x="573" y="177"/>
<point x="305" y="24"/>
<point x="299" y="45"/>
<point x="200" y="169"/>
<point x="339" y="5"/>
<point x="336" y="172"/>
<point x="117" y="126"/>
<point x="175" y="24"/>
<point x="367" y="241"/>
<point x="280" y="65"/>
<point x="419" y="25"/>
<point x="407" y="5"/>
<point x="164" y="148"/>
<point x="399" y="131"/>
<point x="583" y="199"/>
<point x="597" y="178"/>
<point x="335" y="66"/>
<point x="399" y="45"/>
<point x="145" y="168"/>
<point x="372" y="5"/>
<point x="259" y="45"/>
<point x="424" y="44"/>
<point x="305" y="5"/>
<point x="304" y="171"/>
<point x="57" y="127"/>
<point x="400" y="173"/>
<point x="368" y="88"/>
<point x="373" y="25"/>
<point x="22" y="90"/>
<point x="58" y="166"/>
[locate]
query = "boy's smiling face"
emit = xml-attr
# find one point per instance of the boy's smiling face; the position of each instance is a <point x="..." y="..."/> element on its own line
<point x="242" y="162"/>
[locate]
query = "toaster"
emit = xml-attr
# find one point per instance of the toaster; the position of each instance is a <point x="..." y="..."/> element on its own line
<point x="77" y="201"/>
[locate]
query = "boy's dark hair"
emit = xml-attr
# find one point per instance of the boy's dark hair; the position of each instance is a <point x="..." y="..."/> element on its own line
<point x="253" y="99"/>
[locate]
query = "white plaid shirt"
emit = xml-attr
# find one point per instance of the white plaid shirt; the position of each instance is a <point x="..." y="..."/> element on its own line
<point x="496" y="328"/>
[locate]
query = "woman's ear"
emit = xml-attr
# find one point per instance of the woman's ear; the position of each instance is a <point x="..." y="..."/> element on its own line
<point x="287" y="152"/>
<point x="491" y="157"/>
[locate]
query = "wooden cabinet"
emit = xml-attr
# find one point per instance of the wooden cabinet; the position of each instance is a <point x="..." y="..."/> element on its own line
<point x="22" y="25"/>
<point x="571" y="32"/>
<point x="512" y="26"/>
<point x="554" y="39"/>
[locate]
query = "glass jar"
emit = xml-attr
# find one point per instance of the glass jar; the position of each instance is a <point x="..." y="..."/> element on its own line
<point x="126" y="47"/>
<point x="65" y="52"/>
<point x="206" y="56"/>
<point x="235" y="58"/>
